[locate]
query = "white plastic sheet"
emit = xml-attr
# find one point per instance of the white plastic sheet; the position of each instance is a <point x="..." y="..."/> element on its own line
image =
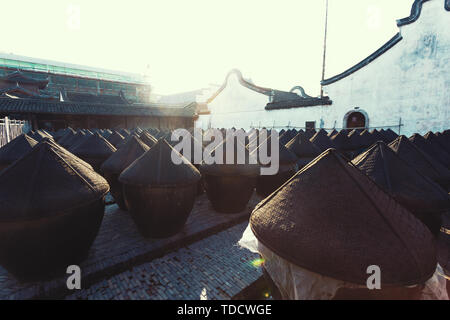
<point x="296" y="283"/>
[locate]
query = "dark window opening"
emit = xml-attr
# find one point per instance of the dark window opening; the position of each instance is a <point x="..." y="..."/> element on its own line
<point x="310" y="125"/>
<point x="356" y="120"/>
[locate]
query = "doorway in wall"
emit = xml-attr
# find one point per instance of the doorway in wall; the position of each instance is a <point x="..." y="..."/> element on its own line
<point x="310" y="125"/>
<point x="355" y="119"/>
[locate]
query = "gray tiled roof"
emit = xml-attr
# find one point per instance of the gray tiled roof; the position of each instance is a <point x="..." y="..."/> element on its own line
<point x="8" y="105"/>
<point x="22" y="92"/>
<point x="19" y="77"/>
<point x="92" y="98"/>
<point x="298" y="102"/>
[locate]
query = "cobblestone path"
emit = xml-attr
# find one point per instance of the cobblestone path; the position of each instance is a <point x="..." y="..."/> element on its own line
<point x="119" y="246"/>
<point x="212" y="268"/>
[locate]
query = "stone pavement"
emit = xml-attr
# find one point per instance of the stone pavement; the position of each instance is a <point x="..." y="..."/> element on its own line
<point x="119" y="246"/>
<point x="212" y="268"/>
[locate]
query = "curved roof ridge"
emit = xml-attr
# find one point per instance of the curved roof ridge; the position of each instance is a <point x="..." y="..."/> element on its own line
<point x="388" y="45"/>
<point x="302" y="91"/>
<point x="243" y="82"/>
<point x="416" y="10"/>
<point x="247" y="83"/>
<point x="276" y="95"/>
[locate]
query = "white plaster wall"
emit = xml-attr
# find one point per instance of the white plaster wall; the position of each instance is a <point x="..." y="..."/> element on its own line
<point x="237" y="106"/>
<point x="240" y="107"/>
<point x="411" y="81"/>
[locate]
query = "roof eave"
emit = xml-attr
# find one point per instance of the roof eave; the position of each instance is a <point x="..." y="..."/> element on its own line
<point x="65" y="108"/>
<point x="242" y="81"/>
<point x="387" y="46"/>
<point x="314" y="102"/>
<point x="416" y="10"/>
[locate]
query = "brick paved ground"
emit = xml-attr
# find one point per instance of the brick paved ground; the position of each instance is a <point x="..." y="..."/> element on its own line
<point x="213" y="268"/>
<point x="119" y="246"/>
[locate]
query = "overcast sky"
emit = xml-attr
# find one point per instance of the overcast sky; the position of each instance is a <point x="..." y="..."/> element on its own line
<point x="187" y="44"/>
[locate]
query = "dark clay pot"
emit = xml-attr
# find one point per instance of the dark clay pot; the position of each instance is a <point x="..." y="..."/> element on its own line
<point x="160" y="212"/>
<point x="200" y="187"/>
<point x="4" y="166"/>
<point x="96" y="163"/>
<point x="201" y="184"/>
<point x="40" y="249"/>
<point x="116" y="189"/>
<point x="385" y="293"/>
<point x="229" y="194"/>
<point x="266" y="185"/>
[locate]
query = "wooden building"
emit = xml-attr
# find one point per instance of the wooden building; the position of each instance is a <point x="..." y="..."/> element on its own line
<point x="25" y="98"/>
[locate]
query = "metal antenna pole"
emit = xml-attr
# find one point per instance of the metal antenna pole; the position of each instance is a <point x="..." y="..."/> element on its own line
<point x="324" y="47"/>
